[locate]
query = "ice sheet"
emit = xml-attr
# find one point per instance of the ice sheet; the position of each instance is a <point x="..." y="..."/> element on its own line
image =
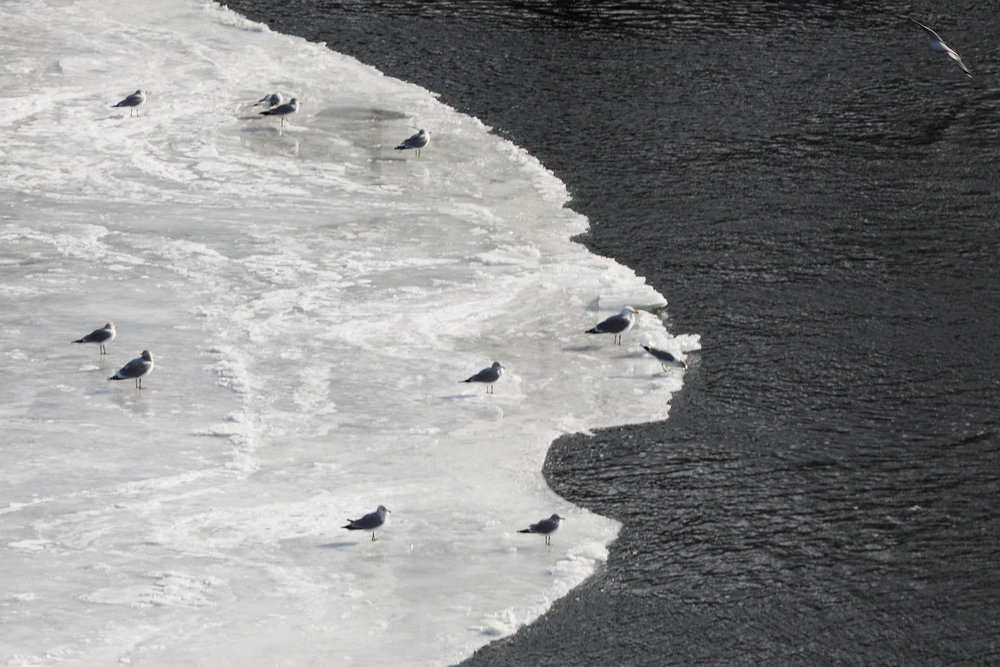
<point x="312" y="299"/>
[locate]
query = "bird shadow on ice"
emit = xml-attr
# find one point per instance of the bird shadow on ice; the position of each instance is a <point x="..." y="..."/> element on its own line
<point x="350" y="113"/>
<point x="584" y="348"/>
<point x="462" y="396"/>
<point x="388" y="158"/>
<point x="338" y="545"/>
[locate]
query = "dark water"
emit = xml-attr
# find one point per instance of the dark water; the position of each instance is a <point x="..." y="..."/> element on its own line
<point x="816" y="193"/>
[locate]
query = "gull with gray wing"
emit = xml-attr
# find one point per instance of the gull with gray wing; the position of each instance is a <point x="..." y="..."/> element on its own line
<point x="544" y="527"/>
<point x="136" y="369"/>
<point x="283" y="110"/>
<point x="616" y="324"/>
<point x="370" y="521"/>
<point x="666" y="358"/>
<point x="133" y="101"/>
<point x="937" y="44"/>
<point x="101" y="336"/>
<point x="270" y="101"/>
<point x="488" y="376"/>
<point x="418" y="141"/>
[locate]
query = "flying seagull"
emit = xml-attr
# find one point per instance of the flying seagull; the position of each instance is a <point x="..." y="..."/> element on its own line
<point x="134" y="101"/>
<point x="369" y="521"/>
<point x="666" y="359"/>
<point x="418" y="141"/>
<point x="489" y="376"/>
<point x="270" y="101"/>
<point x="282" y="110"/>
<point x="136" y="369"/>
<point x="937" y="44"/>
<point x="101" y="336"/>
<point x="616" y="324"/>
<point x="545" y="527"/>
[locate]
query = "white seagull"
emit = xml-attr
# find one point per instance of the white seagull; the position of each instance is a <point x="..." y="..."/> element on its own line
<point x="418" y="141"/>
<point x="937" y="44"/>
<point x="545" y="527"/>
<point x="136" y="369"/>
<point x="489" y="376"/>
<point x="282" y="110"/>
<point x="616" y="324"/>
<point x="101" y="336"/>
<point x="270" y="101"/>
<point x="369" y="521"/>
<point x="134" y="101"/>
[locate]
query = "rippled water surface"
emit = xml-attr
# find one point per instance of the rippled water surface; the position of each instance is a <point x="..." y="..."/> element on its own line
<point x="816" y="194"/>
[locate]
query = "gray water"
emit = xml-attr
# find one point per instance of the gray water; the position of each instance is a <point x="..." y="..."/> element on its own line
<point x="816" y="194"/>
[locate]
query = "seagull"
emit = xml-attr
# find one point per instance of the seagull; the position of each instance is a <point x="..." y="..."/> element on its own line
<point x="101" y="336"/>
<point x="136" y="369"/>
<point x="369" y="521"/>
<point x="282" y="110"/>
<point x="616" y="324"/>
<point x="488" y="375"/>
<point x="418" y="141"/>
<point x="937" y="44"/>
<point x="270" y="101"/>
<point x="135" y="100"/>
<point x="666" y="359"/>
<point x="546" y="527"/>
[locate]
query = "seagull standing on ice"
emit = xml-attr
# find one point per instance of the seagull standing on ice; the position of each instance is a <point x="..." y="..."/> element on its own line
<point x="133" y="101"/>
<point x="136" y="369"/>
<point x="282" y="110"/>
<point x="616" y="324"/>
<point x="418" y="141"/>
<point x="270" y="101"/>
<point x="937" y="44"/>
<point x="369" y="521"/>
<point x="488" y="376"/>
<point x="545" y="527"/>
<point x="101" y="336"/>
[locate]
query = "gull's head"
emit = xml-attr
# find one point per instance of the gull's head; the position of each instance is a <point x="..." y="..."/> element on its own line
<point x="497" y="365"/>
<point x="147" y="355"/>
<point x="110" y="325"/>
<point x="383" y="509"/>
<point x="556" y="518"/>
<point x="627" y="311"/>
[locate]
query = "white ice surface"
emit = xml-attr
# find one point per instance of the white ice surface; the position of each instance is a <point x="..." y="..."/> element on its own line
<point x="312" y="299"/>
